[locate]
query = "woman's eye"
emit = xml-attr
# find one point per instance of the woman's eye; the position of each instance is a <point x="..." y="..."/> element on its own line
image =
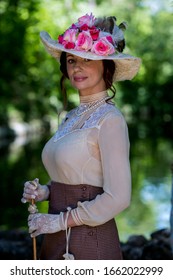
<point x="87" y="60"/>
<point x="70" y="61"/>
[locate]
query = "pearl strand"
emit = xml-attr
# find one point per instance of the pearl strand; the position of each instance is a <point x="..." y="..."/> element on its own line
<point x="90" y="106"/>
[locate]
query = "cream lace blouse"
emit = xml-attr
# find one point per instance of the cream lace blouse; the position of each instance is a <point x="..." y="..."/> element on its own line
<point x="92" y="148"/>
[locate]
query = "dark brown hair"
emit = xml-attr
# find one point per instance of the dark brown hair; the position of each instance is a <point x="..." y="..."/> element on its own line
<point x="108" y="73"/>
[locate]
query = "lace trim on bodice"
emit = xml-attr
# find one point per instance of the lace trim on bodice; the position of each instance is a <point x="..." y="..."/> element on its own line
<point x="71" y="119"/>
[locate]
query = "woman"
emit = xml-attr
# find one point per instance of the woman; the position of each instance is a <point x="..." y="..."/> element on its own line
<point x="88" y="157"/>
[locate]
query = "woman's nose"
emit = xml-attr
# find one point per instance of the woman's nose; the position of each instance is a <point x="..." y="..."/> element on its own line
<point x="78" y="64"/>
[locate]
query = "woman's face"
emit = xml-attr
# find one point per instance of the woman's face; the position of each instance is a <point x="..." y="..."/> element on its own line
<point x="85" y="75"/>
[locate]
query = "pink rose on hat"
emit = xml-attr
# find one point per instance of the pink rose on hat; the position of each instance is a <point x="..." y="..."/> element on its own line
<point x="84" y="41"/>
<point x="103" y="47"/>
<point x="68" y="39"/>
<point x="70" y="35"/>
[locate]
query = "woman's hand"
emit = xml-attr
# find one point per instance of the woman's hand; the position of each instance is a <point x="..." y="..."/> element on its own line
<point x="33" y="190"/>
<point x="45" y="223"/>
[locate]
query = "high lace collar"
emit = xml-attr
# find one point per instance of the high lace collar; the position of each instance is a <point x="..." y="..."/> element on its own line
<point x="93" y="97"/>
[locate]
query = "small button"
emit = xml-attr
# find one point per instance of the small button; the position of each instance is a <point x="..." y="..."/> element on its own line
<point x="90" y="233"/>
<point x="84" y="188"/>
<point x="84" y="195"/>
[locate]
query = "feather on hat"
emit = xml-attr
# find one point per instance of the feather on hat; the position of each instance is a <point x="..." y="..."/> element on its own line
<point x="95" y="39"/>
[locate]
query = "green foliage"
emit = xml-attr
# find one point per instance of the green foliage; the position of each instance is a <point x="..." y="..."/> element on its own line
<point x="149" y="95"/>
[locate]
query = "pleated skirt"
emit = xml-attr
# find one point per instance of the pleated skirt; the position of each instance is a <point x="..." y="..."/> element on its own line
<point x="86" y="242"/>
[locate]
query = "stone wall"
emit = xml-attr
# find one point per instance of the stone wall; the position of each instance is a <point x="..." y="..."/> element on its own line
<point x="17" y="245"/>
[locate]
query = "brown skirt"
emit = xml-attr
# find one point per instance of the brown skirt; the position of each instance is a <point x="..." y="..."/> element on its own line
<point x="86" y="242"/>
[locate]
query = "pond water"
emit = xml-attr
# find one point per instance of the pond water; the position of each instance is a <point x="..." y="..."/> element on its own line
<point x="151" y="179"/>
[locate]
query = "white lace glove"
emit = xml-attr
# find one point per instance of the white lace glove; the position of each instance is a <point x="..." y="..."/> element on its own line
<point x="45" y="223"/>
<point x="33" y="190"/>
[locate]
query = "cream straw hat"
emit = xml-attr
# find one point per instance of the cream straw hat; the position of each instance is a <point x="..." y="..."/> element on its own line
<point x="95" y="39"/>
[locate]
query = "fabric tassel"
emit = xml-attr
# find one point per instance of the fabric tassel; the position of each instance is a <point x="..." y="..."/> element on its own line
<point x="67" y="255"/>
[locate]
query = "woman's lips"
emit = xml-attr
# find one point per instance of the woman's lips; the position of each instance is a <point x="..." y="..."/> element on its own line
<point x="79" y="79"/>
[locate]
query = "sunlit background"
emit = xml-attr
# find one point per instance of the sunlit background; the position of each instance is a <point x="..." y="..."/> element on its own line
<point x="30" y="100"/>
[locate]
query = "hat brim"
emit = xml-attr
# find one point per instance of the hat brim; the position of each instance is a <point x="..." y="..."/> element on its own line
<point x="127" y="66"/>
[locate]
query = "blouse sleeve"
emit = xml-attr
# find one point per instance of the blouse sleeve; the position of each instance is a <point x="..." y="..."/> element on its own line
<point x="114" y="149"/>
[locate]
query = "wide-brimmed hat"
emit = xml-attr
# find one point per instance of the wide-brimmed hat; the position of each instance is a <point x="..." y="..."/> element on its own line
<point x="95" y="39"/>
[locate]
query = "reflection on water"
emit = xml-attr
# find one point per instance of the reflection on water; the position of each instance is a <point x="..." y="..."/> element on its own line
<point x="151" y="195"/>
<point x="151" y="179"/>
<point x="160" y="197"/>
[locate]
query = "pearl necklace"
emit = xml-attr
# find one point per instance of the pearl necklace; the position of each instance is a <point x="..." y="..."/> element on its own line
<point x="82" y="109"/>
